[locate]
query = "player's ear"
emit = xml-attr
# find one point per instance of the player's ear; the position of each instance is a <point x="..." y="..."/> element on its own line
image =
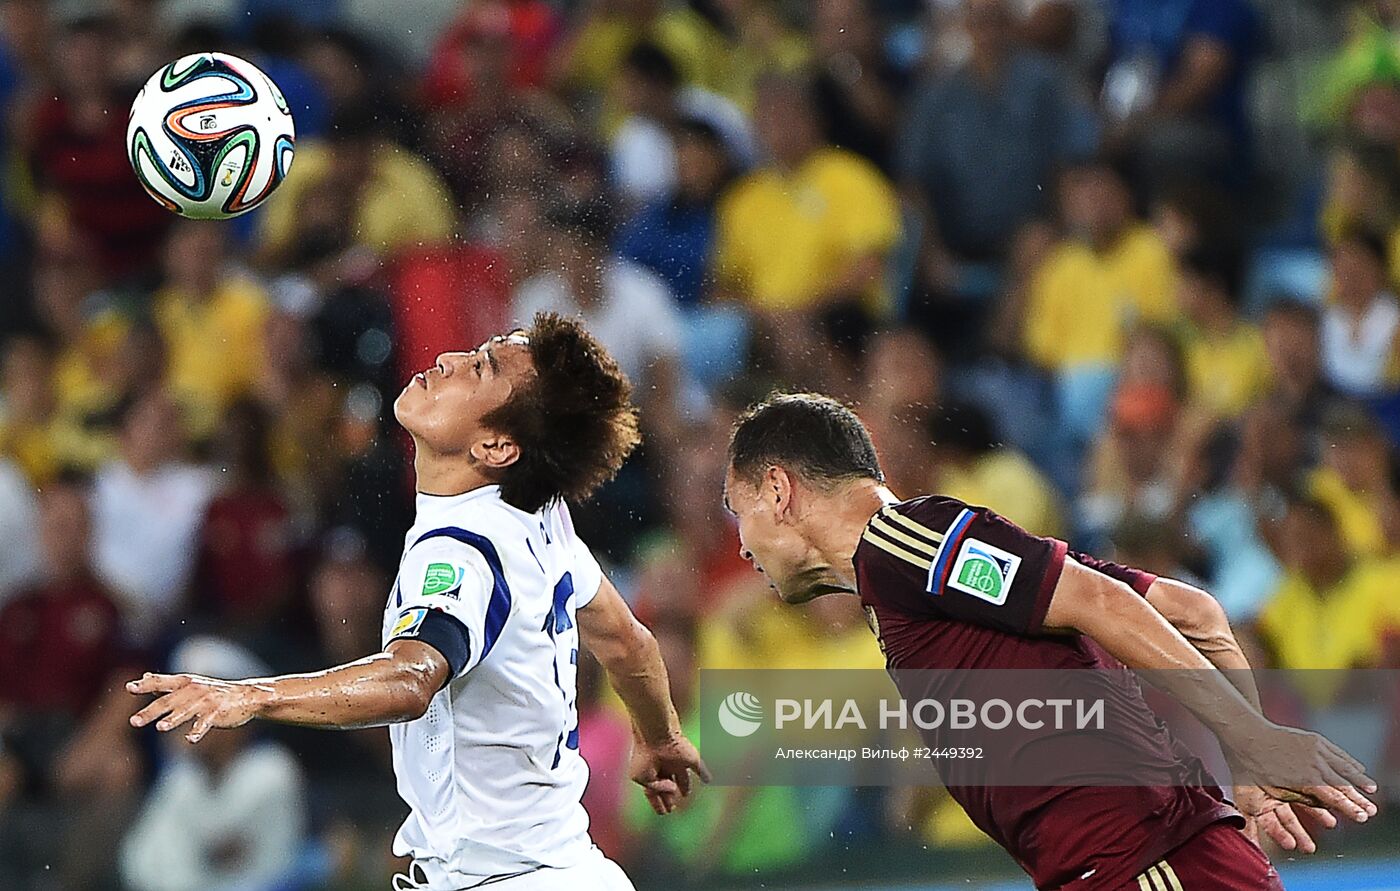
<point x="496" y="451"/>
<point x="776" y="490"/>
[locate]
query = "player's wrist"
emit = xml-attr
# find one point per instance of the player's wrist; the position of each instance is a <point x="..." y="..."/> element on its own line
<point x="259" y="698"/>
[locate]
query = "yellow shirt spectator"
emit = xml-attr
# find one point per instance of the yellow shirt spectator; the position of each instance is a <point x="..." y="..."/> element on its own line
<point x="1357" y="515"/>
<point x="215" y="347"/>
<point x="784" y="237"/>
<point x="1340" y="627"/>
<point x="695" y="46"/>
<point x="1005" y="481"/>
<point x="1227" y="373"/>
<point x="404" y="203"/>
<point x="1081" y="301"/>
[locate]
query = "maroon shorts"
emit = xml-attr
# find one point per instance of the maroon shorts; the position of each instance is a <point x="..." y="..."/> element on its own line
<point x="1218" y="858"/>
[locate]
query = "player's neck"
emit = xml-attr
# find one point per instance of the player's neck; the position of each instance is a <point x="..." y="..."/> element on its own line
<point x="437" y="475"/>
<point x="847" y="514"/>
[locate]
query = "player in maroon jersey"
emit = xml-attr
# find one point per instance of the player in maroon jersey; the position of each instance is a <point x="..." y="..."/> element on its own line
<point x="951" y="586"/>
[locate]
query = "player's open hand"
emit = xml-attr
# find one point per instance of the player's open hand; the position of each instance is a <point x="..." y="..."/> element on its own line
<point x="1268" y="817"/>
<point x="182" y="698"/>
<point x="663" y="771"/>
<point x="1293" y="766"/>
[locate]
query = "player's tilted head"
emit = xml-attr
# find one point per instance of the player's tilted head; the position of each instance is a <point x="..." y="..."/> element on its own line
<point x="573" y="420"/>
<point x="808" y="434"/>
<point x="543" y="412"/>
<point x="798" y="463"/>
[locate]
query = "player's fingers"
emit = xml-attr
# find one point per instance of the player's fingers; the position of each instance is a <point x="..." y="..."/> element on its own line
<point x="1353" y="794"/>
<point x="1320" y="814"/>
<point x="1289" y="825"/>
<point x="702" y="771"/>
<point x="662" y="795"/>
<point x="154" y="710"/>
<point x="1335" y="799"/>
<point x="655" y="801"/>
<point x="202" y="725"/>
<point x="157" y="683"/>
<point x="1268" y="825"/>
<point x="182" y="713"/>
<point x="1343" y="763"/>
<point x="682" y="779"/>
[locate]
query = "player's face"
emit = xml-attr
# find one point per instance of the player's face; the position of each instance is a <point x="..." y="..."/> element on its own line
<point x="443" y="406"/>
<point x="769" y="539"/>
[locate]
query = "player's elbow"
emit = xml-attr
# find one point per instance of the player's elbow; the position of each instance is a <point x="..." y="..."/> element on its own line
<point x="1198" y="616"/>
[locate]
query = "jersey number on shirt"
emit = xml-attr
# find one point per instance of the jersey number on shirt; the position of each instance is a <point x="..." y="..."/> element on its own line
<point x="556" y="623"/>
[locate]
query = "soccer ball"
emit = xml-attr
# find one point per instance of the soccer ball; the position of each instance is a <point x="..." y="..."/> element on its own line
<point x="210" y="136"/>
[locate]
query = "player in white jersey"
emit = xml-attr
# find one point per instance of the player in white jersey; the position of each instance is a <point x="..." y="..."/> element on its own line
<point x="495" y="594"/>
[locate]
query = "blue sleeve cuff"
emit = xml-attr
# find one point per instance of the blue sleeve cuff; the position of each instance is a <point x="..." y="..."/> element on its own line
<point x="448" y="636"/>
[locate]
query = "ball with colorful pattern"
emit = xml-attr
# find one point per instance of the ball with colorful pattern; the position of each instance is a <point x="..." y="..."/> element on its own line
<point x="210" y="136"/>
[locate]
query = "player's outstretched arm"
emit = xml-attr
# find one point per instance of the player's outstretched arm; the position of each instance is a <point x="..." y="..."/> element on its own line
<point x="663" y="758"/>
<point x="1289" y="764"/>
<point x="386" y="688"/>
<point x="1202" y="621"/>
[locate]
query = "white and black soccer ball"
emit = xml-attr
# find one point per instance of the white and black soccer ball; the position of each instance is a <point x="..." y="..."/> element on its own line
<point x="210" y="136"/>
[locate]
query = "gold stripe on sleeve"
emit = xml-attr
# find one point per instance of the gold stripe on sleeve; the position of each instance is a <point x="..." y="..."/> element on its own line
<point x="892" y="548"/>
<point x="914" y="544"/>
<point x="914" y="527"/>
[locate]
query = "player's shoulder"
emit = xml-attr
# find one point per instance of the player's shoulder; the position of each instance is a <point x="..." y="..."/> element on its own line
<point x="479" y="521"/>
<point x="935" y="512"/>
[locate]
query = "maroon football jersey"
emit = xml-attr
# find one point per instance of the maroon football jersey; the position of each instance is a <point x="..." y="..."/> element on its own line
<point x="950" y="586"/>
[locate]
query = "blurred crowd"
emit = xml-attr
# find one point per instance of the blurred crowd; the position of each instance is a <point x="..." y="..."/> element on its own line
<point x="1121" y="270"/>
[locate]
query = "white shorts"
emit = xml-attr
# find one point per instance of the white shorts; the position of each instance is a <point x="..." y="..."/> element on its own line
<point x="595" y="873"/>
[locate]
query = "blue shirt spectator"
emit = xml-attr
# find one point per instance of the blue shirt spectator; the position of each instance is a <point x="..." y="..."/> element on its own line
<point x="1189" y="58"/>
<point x="673" y="236"/>
<point x="981" y="143"/>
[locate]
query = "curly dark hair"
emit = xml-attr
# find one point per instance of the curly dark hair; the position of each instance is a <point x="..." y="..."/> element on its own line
<point x="574" y="420"/>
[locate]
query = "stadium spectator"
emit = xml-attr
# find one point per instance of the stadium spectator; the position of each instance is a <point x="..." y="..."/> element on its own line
<point x="1135" y="462"/>
<point x="396" y="199"/>
<point x="856" y="85"/>
<point x="1293" y="346"/>
<point x="973" y="465"/>
<point x="148" y="504"/>
<point x="839" y="216"/>
<point x="19" y="559"/>
<point x="1331" y="610"/>
<point x="72" y="137"/>
<point x="1360" y="322"/>
<point x="1175" y="85"/>
<point x="1225" y="521"/>
<point x="246" y="567"/>
<point x="594" y="52"/>
<point x="673" y="236"/>
<point x="27" y="432"/>
<point x="626" y="307"/>
<point x="1109" y="270"/>
<point x="1226" y="365"/>
<point x="63" y="656"/>
<point x="643" y="149"/>
<point x="1354" y="480"/>
<point x="523" y="31"/>
<point x="980" y="143"/>
<point x="1363" y="194"/>
<point x="228" y="813"/>
<point x="211" y="320"/>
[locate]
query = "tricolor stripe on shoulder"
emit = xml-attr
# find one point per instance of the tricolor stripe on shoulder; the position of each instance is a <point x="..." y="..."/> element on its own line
<point x="896" y="534"/>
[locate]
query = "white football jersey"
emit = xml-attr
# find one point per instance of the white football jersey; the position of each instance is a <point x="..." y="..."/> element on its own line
<point x="492" y="771"/>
